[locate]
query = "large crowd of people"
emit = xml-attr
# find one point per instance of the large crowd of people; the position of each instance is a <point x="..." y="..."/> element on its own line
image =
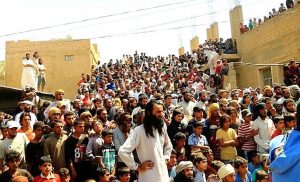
<point x="156" y="119"/>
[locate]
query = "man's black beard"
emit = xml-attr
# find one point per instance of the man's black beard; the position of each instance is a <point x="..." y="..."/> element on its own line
<point x="26" y="109"/>
<point x="186" y="100"/>
<point x="157" y="122"/>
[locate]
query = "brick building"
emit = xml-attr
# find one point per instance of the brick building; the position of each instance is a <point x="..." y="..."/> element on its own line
<point x="65" y="60"/>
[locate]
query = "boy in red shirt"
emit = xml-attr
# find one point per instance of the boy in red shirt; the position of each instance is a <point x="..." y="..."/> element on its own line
<point x="45" y="166"/>
<point x="279" y="123"/>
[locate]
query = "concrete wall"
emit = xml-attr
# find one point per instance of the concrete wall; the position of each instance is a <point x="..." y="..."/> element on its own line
<point x="275" y="41"/>
<point x="212" y="33"/>
<point x="181" y="51"/>
<point x="236" y="17"/>
<point x="60" y="73"/>
<point x="215" y="30"/>
<point x="194" y="43"/>
<point x="209" y="34"/>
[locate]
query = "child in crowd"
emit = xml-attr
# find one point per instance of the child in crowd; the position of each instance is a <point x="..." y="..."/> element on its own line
<point x="4" y="131"/>
<point x="45" y="166"/>
<point x="200" y="163"/>
<point x="183" y="153"/>
<point x="93" y="147"/>
<point x="227" y="173"/>
<point x="13" y="159"/>
<point x="264" y="166"/>
<point x="290" y="122"/>
<point x="108" y="152"/>
<point x="171" y="164"/>
<point x="227" y="138"/>
<point x="279" y="123"/>
<point x="255" y="162"/>
<point x="104" y="175"/>
<point x="210" y="157"/>
<point x="246" y="134"/>
<point x="196" y="140"/>
<point x="35" y="149"/>
<point x="64" y="174"/>
<point x="123" y="174"/>
<point x="215" y="165"/>
<point x="262" y="176"/>
<point x="242" y="173"/>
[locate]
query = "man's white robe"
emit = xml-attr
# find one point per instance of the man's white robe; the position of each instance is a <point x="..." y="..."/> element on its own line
<point x="156" y="149"/>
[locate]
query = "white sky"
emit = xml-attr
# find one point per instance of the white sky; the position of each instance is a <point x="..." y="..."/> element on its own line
<point x="22" y="15"/>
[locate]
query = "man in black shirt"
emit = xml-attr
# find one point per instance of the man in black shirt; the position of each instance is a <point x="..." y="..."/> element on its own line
<point x="75" y="147"/>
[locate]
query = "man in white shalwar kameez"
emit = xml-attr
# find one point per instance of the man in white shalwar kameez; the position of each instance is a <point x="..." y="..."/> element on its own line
<point x="27" y="78"/>
<point x="152" y="144"/>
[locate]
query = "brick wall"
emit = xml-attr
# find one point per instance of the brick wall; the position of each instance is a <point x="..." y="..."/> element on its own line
<point x="272" y="42"/>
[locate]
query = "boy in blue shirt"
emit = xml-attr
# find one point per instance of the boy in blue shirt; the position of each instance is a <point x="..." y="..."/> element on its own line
<point x="241" y="168"/>
<point x="196" y="140"/>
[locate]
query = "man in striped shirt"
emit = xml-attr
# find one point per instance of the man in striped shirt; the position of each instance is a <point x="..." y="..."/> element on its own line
<point x="246" y="134"/>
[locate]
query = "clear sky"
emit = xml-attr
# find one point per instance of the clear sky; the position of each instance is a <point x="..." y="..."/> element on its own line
<point x="172" y="23"/>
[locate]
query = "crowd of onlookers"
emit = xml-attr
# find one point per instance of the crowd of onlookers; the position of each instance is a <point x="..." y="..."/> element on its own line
<point x="217" y="135"/>
<point x="258" y="21"/>
<point x="291" y="73"/>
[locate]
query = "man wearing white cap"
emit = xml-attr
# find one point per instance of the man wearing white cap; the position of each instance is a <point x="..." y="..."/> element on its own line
<point x="26" y="106"/>
<point x="184" y="172"/>
<point x="59" y="96"/>
<point x="14" y="141"/>
<point x="227" y="173"/>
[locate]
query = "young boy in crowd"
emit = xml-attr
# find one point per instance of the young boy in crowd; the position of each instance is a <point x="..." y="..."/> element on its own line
<point x="123" y="174"/>
<point x="64" y="174"/>
<point x="108" y="152"/>
<point x="47" y="175"/>
<point x="183" y="153"/>
<point x="35" y="149"/>
<point x="290" y="122"/>
<point x="279" y="123"/>
<point x="264" y="166"/>
<point x="200" y="163"/>
<point x="246" y="134"/>
<point x="93" y="147"/>
<point x="171" y="164"/>
<point x="242" y="173"/>
<point x="196" y="140"/>
<point x="13" y="159"/>
<point x="255" y="162"/>
<point x="197" y="116"/>
<point x="104" y="175"/>
<point x="227" y="173"/>
<point x="215" y="165"/>
<point x="210" y="157"/>
<point x="4" y="131"/>
<point x="262" y="176"/>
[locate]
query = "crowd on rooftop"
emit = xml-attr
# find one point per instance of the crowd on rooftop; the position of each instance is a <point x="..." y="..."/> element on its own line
<point x="254" y="22"/>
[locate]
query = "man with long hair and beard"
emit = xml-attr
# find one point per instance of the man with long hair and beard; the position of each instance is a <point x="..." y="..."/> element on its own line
<point x="152" y="144"/>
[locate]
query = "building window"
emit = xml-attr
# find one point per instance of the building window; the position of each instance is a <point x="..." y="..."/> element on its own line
<point x="68" y="57"/>
<point x="267" y="76"/>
